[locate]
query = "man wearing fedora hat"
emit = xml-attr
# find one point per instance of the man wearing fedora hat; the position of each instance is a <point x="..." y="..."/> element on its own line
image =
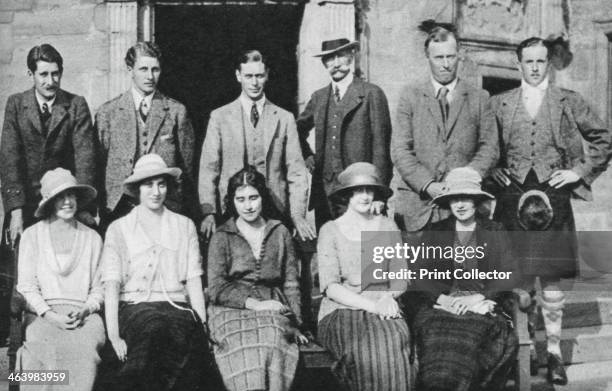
<point x="352" y="124"/>
<point x="251" y="130"/>
<point x="544" y="164"/>
<point x="142" y="120"/>
<point x="442" y="123"/>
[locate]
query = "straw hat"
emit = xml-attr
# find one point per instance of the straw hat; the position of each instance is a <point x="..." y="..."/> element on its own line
<point x="56" y="181"/>
<point x="462" y="181"/>
<point x="336" y="45"/>
<point x="361" y="174"/>
<point x="534" y="211"/>
<point x="148" y="166"/>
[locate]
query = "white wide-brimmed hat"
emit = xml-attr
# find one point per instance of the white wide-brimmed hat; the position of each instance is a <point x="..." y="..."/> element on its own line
<point x="148" y="166"/>
<point x="56" y="181"/>
<point x="462" y="181"/>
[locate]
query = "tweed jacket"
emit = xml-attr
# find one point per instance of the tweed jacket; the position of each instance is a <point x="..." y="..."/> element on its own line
<point x="572" y="122"/>
<point x="365" y="133"/>
<point x="26" y="154"/>
<point x="173" y="139"/>
<point x="223" y="155"/>
<point x="424" y="150"/>
<point x="235" y="274"/>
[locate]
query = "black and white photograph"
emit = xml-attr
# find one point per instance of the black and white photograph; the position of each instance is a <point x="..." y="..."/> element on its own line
<point x="297" y="195"/>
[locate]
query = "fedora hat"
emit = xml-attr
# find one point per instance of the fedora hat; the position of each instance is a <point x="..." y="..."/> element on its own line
<point x="360" y="174"/>
<point x="462" y="181"/>
<point x="148" y="166"/>
<point x="534" y="211"/>
<point x="335" y="45"/>
<point x="56" y="181"/>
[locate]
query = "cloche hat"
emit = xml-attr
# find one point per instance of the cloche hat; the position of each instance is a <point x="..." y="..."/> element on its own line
<point x="148" y="166"/>
<point x="56" y="181"/>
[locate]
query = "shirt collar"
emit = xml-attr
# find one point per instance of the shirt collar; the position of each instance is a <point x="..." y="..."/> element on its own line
<point x="450" y="86"/>
<point x="343" y="84"/>
<point x="138" y="97"/>
<point x="40" y="100"/>
<point x="247" y="103"/>
<point x="526" y="87"/>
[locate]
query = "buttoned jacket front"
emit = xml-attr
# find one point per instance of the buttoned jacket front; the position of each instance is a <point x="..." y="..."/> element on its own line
<point x="423" y="149"/>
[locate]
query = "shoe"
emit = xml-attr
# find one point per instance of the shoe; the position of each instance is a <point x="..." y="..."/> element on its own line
<point x="556" y="371"/>
<point x="533" y="364"/>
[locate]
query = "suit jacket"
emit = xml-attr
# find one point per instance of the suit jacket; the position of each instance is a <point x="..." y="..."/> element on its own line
<point x="572" y="122"/>
<point x="26" y="154"/>
<point x="173" y="139"/>
<point x="424" y="150"/>
<point x="223" y="156"/>
<point x="365" y="133"/>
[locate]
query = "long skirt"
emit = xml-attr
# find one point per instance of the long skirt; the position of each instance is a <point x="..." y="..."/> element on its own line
<point x="253" y="352"/>
<point x="460" y="353"/>
<point x="166" y="350"/>
<point x="370" y="354"/>
<point x="47" y="347"/>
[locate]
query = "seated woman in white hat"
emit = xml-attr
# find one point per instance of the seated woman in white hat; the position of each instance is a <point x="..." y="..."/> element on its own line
<point x="58" y="264"/>
<point x="360" y="321"/>
<point x="463" y="334"/>
<point x="154" y="301"/>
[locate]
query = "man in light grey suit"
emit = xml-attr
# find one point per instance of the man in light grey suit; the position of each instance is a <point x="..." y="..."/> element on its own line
<point x="253" y="131"/>
<point x="442" y="123"/>
<point x="140" y="121"/>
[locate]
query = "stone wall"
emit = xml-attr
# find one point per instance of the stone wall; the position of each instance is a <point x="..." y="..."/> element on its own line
<point x="76" y="28"/>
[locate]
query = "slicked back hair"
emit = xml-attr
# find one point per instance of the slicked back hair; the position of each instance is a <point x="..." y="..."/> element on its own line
<point x="250" y="55"/>
<point x="529" y="42"/>
<point x="146" y="49"/>
<point x="46" y="53"/>
<point x="440" y="34"/>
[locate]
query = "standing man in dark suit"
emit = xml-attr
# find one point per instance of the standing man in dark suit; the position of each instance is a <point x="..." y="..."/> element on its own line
<point x="352" y="124"/>
<point x="44" y="128"/>
<point x="542" y="130"/>
<point x="442" y="123"/>
<point x="143" y="120"/>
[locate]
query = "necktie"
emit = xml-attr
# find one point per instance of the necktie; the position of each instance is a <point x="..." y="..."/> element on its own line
<point x="45" y="116"/>
<point x="337" y="94"/>
<point x="143" y="110"/>
<point x="254" y="115"/>
<point x="442" y="93"/>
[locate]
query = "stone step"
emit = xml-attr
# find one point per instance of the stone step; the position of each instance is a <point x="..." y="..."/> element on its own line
<point x="582" y="309"/>
<point x="580" y="345"/>
<point x="595" y="376"/>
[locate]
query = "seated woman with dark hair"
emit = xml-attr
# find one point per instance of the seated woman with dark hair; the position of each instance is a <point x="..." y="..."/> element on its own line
<point x="58" y="263"/>
<point x="360" y="321"/>
<point x="253" y="280"/>
<point x="464" y="335"/>
<point x="154" y="299"/>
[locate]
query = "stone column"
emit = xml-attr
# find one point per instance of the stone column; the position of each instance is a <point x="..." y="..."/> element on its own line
<point x="123" y="33"/>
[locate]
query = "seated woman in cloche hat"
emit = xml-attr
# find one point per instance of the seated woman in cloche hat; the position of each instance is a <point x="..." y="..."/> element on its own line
<point x="58" y="276"/>
<point x="359" y="323"/>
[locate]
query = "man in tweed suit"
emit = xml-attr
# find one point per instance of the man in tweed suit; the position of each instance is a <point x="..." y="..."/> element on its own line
<point x="542" y="130"/>
<point x="143" y="120"/>
<point x="352" y="124"/>
<point x="251" y="130"/>
<point x="442" y="123"/>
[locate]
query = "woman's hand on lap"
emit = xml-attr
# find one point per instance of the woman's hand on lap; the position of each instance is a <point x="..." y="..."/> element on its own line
<point x="120" y="347"/>
<point x="61" y="321"/>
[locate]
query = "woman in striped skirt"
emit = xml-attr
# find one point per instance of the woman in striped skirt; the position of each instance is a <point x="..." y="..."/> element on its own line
<point x="360" y="322"/>
<point x="253" y="284"/>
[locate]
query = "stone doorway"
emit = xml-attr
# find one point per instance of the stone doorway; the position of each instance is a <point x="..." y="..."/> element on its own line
<point x="200" y="44"/>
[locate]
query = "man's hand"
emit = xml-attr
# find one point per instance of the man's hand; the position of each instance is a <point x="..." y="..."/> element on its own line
<point x="501" y="176"/>
<point x="304" y="229"/>
<point x="16" y="226"/>
<point x="435" y="189"/>
<point x="208" y="226"/>
<point x="561" y="178"/>
<point x="310" y="163"/>
<point x="377" y="207"/>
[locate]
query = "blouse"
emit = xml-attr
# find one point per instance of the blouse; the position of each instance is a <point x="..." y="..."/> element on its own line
<point x="342" y="261"/>
<point x="151" y="271"/>
<point x="46" y="278"/>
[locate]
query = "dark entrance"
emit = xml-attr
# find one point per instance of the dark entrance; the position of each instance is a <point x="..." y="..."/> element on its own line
<point x="200" y="44"/>
<point x="497" y="85"/>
